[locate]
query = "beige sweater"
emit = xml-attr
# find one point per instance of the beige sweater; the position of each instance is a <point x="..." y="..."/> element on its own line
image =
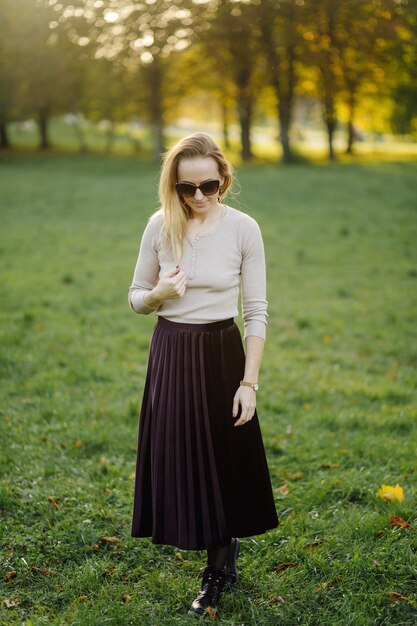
<point x="217" y="262"/>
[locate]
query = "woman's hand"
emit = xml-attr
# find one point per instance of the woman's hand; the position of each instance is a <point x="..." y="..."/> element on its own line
<point x="245" y="397"/>
<point x="171" y="285"/>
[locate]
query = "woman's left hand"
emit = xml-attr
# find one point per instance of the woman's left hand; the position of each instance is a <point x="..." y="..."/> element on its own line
<point x="245" y="397"/>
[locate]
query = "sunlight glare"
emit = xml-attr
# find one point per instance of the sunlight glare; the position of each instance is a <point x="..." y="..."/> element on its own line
<point x="111" y="16"/>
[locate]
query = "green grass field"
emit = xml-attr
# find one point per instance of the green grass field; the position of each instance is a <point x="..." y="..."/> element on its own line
<point x="338" y="399"/>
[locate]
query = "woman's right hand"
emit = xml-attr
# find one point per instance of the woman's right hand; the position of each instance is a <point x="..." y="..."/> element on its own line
<point x="171" y="285"/>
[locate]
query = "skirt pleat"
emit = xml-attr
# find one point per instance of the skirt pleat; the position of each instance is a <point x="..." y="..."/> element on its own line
<point x="199" y="480"/>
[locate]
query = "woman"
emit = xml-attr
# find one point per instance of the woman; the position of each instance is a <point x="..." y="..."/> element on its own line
<point x="202" y="479"/>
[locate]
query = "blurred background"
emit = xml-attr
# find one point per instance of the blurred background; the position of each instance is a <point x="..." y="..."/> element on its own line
<point x="270" y="78"/>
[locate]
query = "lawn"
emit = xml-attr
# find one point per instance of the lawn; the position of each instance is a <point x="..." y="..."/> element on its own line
<point x="337" y="399"/>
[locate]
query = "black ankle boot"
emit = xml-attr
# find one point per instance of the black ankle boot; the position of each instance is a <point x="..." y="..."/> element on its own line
<point x="230" y="564"/>
<point x="208" y="597"/>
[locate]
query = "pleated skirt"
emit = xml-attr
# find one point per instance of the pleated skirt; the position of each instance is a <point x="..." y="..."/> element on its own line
<point x="199" y="480"/>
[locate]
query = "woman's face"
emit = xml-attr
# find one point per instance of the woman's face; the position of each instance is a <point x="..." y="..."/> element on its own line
<point x="197" y="170"/>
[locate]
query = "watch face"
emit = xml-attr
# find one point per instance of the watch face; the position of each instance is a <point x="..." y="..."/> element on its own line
<point x="256" y="387"/>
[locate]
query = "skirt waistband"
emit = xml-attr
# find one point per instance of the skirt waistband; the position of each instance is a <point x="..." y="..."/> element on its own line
<point x="162" y="321"/>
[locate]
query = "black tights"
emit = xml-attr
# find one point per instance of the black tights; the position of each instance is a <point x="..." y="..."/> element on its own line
<point x="217" y="556"/>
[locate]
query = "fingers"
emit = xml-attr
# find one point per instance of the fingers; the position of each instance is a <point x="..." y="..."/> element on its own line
<point x="174" y="283"/>
<point x="246" y="399"/>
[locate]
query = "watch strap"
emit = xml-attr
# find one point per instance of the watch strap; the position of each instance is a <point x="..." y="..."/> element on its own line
<point x="245" y="383"/>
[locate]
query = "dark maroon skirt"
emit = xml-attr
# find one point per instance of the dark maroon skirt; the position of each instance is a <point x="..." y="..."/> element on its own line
<point x="199" y="480"/>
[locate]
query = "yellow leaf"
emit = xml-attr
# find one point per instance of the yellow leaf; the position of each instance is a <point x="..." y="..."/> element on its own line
<point x="212" y="612"/>
<point x="296" y="476"/>
<point x="109" y="540"/>
<point x="386" y="492"/>
<point x="283" y="490"/>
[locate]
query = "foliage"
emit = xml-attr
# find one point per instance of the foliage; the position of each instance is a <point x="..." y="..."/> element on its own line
<point x="121" y="60"/>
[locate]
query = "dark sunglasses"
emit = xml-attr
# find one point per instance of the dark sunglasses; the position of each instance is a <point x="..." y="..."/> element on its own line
<point x="208" y="188"/>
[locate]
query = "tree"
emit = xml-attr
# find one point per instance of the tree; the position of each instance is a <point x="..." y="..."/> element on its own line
<point x="142" y="37"/>
<point x="280" y="41"/>
<point x="7" y="75"/>
<point x="404" y="90"/>
<point x="228" y="33"/>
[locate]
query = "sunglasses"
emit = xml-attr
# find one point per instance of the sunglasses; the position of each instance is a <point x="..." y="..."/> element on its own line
<point x="208" y="188"/>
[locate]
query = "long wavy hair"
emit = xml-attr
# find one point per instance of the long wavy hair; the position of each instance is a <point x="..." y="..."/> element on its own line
<point x="174" y="209"/>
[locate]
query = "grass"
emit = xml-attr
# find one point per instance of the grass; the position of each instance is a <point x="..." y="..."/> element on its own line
<point x="337" y="400"/>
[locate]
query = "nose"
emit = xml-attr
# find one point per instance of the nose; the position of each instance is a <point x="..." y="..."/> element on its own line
<point x="199" y="196"/>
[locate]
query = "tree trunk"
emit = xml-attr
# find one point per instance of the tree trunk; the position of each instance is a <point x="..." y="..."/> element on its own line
<point x="109" y="137"/>
<point x="245" y="119"/>
<point x="284" y="134"/>
<point x="159" y="147"/>
<point x="4" y="137"/>
<point x="43" y="130"/>
<point x="156" y="109"/>
<point x="350" y="126"/>
<point x="225" y="124"/>
<point x="330" y="121"/>
<point x="81" y="138"/>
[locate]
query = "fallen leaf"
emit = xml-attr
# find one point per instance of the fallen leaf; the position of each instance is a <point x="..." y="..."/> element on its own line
<point x="330" y="465"/>
<point x="9" y="576"/>
<point x="126" y="597"/>
<point x="43" y="571"/>
<point x="380" y="533"/>
<point x="95" y="547"/>
<point x="326" y="339"/>
<point x="325" y="585"/>
<point x="63" y="446"/>
<point x="110" y="540"/>
<point x="283" y="490"/>
<point x="44" y="437"/>
<point x="108" y="571"/>
<point x="283" y="566"/>
<point x="307" y="405"/>
<point x="109" y="490"/>
<point x="396" y="597"/>
<point x="77" y="443"/>
<point x="211" y="612"/>
<point x="54" y="504"/>
<point x="81" y="598"/>
<point x="376" y="564"/>
<point x="104" y="460"/>
<point x="179" y="556"/>
<point x="11" y="602"/>
<point x="296" y="476"/>
<point x="399" y="521"/>
<point x="387" y="492"/>
<point x="313" y="545"/>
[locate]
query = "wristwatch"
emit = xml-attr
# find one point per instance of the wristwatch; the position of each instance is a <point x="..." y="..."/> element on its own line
<point x="254" y="386"/>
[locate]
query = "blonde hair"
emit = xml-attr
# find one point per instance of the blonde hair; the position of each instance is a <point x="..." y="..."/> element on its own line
<point x="174" y="209"/>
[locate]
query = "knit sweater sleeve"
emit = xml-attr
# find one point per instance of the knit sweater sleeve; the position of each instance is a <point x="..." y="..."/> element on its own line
<point x="146" y="272"/>
<point x="253" y="280"/>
